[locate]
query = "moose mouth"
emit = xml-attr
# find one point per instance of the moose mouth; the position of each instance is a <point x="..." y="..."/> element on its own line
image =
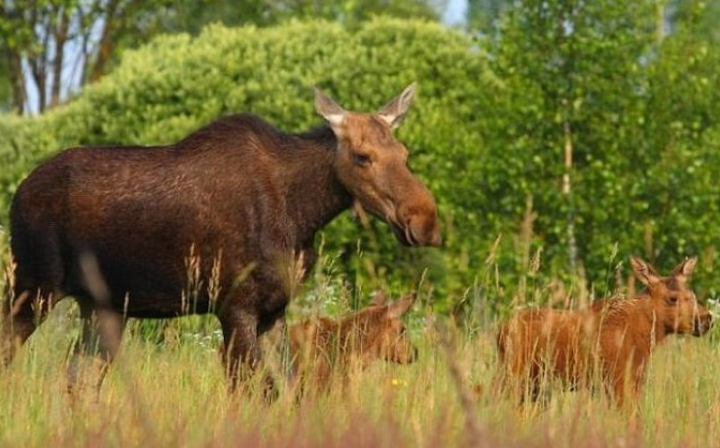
<point x="406" y="233"/>
<point x="403" y="235"/>
<point x="413" y="235"/>
<point x="700" y="327"/>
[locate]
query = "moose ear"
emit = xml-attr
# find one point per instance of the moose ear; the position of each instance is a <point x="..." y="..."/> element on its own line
<point x="379" y="298"/>
<point x="394" y="112"/>
<point x="400" y="307"/>
<point x="684" y="270"/>
<point x="329" y="109"/>
<point x="644" y="272"/>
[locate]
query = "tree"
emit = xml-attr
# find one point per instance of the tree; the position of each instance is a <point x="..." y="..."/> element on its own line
<point x="5" y="92"/>
<point x="488" y="134"/>
<point x="191" y="15"/>
<point x="572" y="73"/>
<point x="702" y="17"/>
<point x="52" y="47"/>
<point x="483" y="15"/>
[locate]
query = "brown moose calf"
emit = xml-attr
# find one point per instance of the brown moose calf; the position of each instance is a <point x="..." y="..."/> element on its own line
<point x="323" y="347"/>
<point x="612" y="339"/>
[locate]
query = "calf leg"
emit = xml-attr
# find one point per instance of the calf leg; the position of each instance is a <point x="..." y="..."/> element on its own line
<point x="532" y="386"/>
<point x="100" y="340"/>
<point x="277" y="340"/>
<point x="520" y="376"/>
<point x="624" y="380"/>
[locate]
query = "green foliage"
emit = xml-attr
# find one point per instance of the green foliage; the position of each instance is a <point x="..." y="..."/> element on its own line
<point x="483" y="15"/>
<point x="560" y="90"/>
<point x="702" y="17"/>
<point x="592" y="74"/>
<point x="192" y="15"/>
<point x="487" y="134"/>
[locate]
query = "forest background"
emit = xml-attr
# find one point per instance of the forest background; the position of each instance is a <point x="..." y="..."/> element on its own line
<point x="558" y="136"/>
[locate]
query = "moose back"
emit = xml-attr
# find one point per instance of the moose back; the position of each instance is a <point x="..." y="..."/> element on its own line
<point x="146" y="231"/>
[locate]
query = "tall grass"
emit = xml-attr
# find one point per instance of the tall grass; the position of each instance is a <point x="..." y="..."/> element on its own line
<point x="172" y="393"/>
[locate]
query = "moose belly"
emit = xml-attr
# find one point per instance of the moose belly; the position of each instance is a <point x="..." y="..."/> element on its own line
<point x="139" y="286"/>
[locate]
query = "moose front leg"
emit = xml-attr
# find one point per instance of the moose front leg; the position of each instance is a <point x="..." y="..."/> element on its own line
<point x="241" y="353"/>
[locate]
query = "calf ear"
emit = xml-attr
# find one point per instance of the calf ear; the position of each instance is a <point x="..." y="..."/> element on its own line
<point x="379" y="299"/>
<point x="394" y="112"/>
<point x="330" y="110"/>
<point x="684" y="270"/>
<point x="400" y="307"/>
<point x="644" y="272"/>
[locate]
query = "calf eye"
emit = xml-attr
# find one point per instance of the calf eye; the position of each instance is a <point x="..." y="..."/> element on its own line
<point x="673" y="300"/>
<point x="361" y="159"/>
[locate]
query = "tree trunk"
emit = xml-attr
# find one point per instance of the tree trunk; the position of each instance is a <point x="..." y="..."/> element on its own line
<point x="106" y="45"/>
<point x="567" y="191"/>
<point x="16" y="80"/>
<point x="61" y="36"/>
<point x="36" y="59"/>
<point x="660" y="21"/>
<point x="14" y="61"/>
<point x="37" y="69"/>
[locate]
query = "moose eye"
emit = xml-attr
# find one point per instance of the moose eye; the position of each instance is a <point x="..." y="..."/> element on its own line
<point x="673" y="300"/>
<point x="361" y="159"/>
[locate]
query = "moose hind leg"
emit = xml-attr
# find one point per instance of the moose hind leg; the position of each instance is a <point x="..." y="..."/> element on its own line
<point x="21" y="315"/>
<point x="36" y="288"/>
<point x="99" y="342"/>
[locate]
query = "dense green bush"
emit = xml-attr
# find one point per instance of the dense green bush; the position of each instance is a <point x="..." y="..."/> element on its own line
<point x="487" y="134"/>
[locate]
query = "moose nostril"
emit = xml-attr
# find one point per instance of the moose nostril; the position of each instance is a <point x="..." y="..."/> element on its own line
<point x="707" y="319"/>
<point x="423" y="232"/>
<point x="436" y="239"/>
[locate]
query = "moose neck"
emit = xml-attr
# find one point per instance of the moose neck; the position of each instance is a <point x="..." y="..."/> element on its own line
<point x="315" y="195"/>
<point x="646" y="308"/>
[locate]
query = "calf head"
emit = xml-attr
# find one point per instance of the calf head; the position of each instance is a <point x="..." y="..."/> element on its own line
<point x="674" y="302"/>
<point x="386" y="335"/>
<point x="373" y="166"/>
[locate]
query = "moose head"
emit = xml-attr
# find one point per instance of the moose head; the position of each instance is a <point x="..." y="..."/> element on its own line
<point x="373" y="166"/>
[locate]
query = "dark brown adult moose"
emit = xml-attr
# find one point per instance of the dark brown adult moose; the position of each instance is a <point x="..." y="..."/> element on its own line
<point x="238" y="201"/>
<point x="612" y="339"/>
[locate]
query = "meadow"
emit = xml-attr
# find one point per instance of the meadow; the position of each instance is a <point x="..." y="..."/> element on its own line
<point x="167" y="388"/>
<point x="554" y="153"/>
